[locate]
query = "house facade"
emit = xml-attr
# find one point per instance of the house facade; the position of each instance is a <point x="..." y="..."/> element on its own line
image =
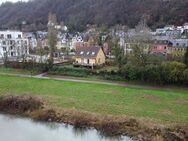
<point x="13" y="44"/>
<point x="179" y="42"/>
<point x="176" y="52"/>
<point x="158" y="49"/>
<point x="89" y="56"/>
<point x="31" y="38"/>
<point x="76" y="41"/>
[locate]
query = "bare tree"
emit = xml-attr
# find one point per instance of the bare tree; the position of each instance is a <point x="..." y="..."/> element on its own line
<point x="138" y="56"/>
<point x="21" y="50"/>
<point x="5" y="53"/>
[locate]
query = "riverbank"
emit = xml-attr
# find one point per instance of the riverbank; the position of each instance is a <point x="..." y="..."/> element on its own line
<point x="37" y="108"/>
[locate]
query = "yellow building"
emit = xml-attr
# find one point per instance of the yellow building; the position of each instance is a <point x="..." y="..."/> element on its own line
<point x="176" y="51"/>
<point x="89" y="56"/>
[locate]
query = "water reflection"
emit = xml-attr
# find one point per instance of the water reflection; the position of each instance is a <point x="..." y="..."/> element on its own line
<point x="22" y="129"/>
<point x="79" y="132"/>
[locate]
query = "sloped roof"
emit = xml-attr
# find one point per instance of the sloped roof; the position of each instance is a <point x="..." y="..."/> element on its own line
<point x="87" y="52"/>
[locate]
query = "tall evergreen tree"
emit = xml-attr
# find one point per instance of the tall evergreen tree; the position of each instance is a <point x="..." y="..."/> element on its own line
<point x="52" y="37"/>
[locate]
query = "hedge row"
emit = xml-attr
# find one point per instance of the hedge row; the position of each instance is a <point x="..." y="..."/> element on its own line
<point x="70" y="71"/>
<point x="31" y="66"/>
<point x="165" y="73"/>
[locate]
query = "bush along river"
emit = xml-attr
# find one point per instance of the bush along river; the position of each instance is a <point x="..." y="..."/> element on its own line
<point x="45" y="123"/>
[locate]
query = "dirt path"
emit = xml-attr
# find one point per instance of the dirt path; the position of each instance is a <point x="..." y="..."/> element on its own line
<point x="61" y="78"/>
<point x="70" y="79"/>
<point x="44" y="76"/>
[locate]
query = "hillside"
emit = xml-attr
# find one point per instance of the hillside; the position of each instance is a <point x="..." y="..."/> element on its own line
<point x="78" y="13"/>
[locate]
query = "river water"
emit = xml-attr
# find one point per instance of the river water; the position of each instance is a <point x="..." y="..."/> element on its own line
<point x="14" y="128"/>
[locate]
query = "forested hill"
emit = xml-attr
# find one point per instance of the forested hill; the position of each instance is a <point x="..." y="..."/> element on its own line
<point x="78" y="13"/>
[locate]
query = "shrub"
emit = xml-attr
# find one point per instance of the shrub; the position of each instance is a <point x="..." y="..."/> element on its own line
<point x="152" y="73"/>
<point x="172" y="72"/>
<point x="131" y="72"/>
<point x="165" y="73"/>
<point x="185" y="75"/>
<point x="68" y="70"/>
<point x="31" y="66"/>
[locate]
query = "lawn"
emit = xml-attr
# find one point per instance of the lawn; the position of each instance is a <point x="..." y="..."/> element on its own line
<point x="168" y="106"/>
<point x="13" y="71"/>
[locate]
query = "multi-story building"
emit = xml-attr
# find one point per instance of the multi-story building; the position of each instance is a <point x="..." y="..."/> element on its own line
<point x="13" y="44"/>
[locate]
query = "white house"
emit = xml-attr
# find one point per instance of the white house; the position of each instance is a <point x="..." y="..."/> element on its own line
<point x="31" y="38"/>
<point x="185" y="26"/>
<point x="76" y="40"/>
<point x="13" y="44"/>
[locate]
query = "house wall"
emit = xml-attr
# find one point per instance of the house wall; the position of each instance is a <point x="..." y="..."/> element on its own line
<point x="78" y="60"/>
<point x="100" y="57"/>
<point x="92" y="61"/>
<point x="179" y="42"/>
<point x="176" y="51"/>
<point x="158" y="48"/>
<point x="14" y="34"/>
<point x="85" y="61"/>
<point x="14" y="47"/>
<point x="1" y="52"/>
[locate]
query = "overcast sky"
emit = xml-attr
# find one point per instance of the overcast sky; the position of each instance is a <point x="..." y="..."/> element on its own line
<point x="1" y="1"/>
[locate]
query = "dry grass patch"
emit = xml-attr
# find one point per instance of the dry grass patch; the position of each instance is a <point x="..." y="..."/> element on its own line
<point x="150" y="97"/>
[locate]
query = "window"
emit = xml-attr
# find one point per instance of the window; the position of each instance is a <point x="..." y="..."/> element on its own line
<point x="11" y="42"/>
<point x="2" y="36"/>
<point x="88" y="53"/>
<point x="81" y="52"/>
<point x="4" y="48"/>
<point x="93" y="53"/>
<point x="12" y="53"/>
<point x="4" y="43"/>
<point x="19" y="36"/>
<point x="9" y="36"/>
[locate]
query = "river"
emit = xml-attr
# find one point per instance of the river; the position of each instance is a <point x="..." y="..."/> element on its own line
<point x="14" y="128"/>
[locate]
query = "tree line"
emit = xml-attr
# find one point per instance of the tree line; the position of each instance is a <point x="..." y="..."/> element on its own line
<point x="139" y="66"/>
<point x="77" y="14"/>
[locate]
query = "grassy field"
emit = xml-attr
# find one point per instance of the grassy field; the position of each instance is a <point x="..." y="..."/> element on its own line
<point x="159" y="105"/>
<point x="13" y="71"/>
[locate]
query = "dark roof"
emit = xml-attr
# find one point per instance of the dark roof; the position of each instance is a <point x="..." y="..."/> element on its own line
<point x="88" y="52"/>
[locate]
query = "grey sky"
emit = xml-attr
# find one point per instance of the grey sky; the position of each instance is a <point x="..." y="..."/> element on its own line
<point x="1" y="1"/>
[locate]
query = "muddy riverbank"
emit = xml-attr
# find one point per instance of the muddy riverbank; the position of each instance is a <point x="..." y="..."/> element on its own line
<point x="142" y="130"/>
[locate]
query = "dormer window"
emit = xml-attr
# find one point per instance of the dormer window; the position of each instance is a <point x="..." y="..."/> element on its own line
<point x="88" y="53"/>
<point x="81" y="53"/>
<point x="93" y="53"/>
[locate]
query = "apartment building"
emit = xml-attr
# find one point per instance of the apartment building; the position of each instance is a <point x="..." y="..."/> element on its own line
<point x="13" y="44"/>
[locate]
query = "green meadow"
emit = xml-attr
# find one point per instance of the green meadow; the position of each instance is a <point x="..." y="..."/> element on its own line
<point x="163" y="105"/>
